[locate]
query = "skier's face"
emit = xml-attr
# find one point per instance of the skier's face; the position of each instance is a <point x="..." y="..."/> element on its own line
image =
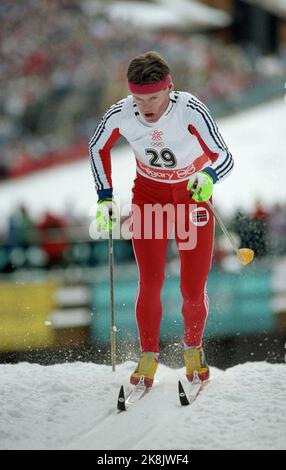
<point x="153" y="105"/>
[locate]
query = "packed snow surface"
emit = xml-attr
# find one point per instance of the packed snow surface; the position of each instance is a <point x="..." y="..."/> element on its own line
<point x="73" y="406"/>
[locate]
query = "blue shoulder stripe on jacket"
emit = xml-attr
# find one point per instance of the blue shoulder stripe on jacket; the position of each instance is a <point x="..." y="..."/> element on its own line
<point x="229" y="159"/>
<point x="104" y="120"/>
<point x="212" y="121"/>
<point x="97" y="134"/>
<point x="227" y="164"/>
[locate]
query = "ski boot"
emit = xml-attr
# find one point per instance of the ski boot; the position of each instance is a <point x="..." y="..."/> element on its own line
<point x="196" y="364"/>
<point x="146" y="367"/>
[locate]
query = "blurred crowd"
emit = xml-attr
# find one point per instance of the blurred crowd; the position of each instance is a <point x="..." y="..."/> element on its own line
<point x="263" y="230"/>
<point x="53" y="241"/>
<point x="63" y="64"/>
<point x="63" y="240"/>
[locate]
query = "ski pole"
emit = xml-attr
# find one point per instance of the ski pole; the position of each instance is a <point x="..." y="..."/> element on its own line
<point x="244" y="255"/>
<point x="112" y="311"/>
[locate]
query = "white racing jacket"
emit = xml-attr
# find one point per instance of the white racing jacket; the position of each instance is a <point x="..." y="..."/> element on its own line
<point x="183" y="141"/>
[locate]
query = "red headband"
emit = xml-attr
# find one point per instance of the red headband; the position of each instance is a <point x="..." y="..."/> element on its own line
<point x="150" y="87"/>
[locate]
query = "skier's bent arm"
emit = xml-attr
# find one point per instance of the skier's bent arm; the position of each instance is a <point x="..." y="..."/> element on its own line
<point x="202" y="125"/>
<point x="104" y="138"/>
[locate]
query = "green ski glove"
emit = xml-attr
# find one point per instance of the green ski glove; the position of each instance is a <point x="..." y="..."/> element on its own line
<point x="201" y="186"/>
<point x="107" y="214"/>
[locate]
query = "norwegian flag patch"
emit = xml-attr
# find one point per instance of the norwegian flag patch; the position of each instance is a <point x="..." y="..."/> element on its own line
<point x="200" y="216"/>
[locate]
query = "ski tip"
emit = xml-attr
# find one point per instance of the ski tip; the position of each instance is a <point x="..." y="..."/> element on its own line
<point x="182" y="395"/>
<point x="121" y="400"/>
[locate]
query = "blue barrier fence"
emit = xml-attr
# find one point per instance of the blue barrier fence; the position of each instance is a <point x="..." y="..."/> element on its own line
<point x="239" y="304"/>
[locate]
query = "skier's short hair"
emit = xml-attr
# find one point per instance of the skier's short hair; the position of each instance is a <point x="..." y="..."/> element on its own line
<point x="149" y="67"/>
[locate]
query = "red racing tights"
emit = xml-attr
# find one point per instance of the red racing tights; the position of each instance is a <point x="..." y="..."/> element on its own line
<point x="194" y="233"/>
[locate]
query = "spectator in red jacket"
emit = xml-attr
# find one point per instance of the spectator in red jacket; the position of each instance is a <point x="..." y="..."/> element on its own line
<point x="53" y="239"/>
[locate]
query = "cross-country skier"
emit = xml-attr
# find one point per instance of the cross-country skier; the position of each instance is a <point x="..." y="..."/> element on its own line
<point x="180" y="154"/>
